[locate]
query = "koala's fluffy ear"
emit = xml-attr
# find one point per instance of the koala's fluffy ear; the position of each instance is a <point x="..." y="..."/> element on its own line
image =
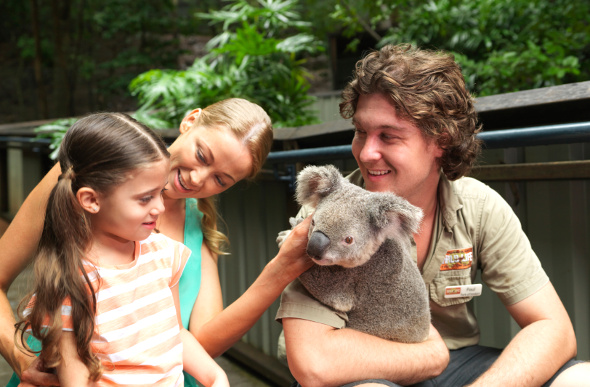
<point x="314" y="183"/>
<point x="395" y="215"/>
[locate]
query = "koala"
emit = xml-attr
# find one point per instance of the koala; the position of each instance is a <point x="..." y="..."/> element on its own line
<point x="360" y="242"/>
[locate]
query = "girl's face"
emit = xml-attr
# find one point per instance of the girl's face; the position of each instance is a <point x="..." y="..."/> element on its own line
<point x="130" y="210"/>
<point x="206" y="161"/>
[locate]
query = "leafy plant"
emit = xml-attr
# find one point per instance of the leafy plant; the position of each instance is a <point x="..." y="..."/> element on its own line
<point x="256" y="55"/>
<point x="55" y="131"/>
<point x="502" y="45"/>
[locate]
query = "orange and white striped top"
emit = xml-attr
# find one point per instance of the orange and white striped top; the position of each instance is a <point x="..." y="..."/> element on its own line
<point x="137" y="334"/>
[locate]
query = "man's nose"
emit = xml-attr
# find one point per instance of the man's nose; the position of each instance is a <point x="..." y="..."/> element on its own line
<point x="371" y="150"/>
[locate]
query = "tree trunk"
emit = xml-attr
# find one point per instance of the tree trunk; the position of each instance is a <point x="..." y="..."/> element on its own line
<point x="37" y="66"/>
<point x="62" y="88"/>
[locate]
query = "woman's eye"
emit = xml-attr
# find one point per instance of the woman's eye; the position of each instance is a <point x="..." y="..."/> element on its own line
<point x="220" y="181"/>
<point x="201" y="156"/>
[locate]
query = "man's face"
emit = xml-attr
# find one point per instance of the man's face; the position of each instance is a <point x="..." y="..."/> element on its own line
<point x="391" y="152"/>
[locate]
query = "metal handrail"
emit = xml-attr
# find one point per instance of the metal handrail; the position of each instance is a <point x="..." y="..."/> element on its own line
<point x="497" y="139"/>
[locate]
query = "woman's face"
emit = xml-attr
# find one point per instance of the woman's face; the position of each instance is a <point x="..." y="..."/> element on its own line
<point x="206" y="161"/>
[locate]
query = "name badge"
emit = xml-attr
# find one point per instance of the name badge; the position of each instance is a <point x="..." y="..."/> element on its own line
<point x="463" y="291"/>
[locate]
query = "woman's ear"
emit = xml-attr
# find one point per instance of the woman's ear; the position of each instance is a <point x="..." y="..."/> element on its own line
<point x="88" y="199"/>
<point x="189" y="120"/>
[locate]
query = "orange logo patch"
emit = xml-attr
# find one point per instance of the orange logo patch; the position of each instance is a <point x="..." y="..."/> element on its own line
<point x="457" y="259"/>
<point x="449" y="291"/>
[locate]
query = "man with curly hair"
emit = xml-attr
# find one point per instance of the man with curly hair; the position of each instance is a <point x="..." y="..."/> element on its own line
<point x="415" y="135"/>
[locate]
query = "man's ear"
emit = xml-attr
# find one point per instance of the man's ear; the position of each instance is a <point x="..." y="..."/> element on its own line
<point x="189" y="120"/>
<point x="88" y="199"/>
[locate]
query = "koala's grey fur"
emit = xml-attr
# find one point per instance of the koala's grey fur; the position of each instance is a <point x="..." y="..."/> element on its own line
<point x="361" y="243"/>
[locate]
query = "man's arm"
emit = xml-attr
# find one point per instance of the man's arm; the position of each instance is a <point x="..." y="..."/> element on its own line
<point x="544" y="344"/>
<point x="320" y="355"/>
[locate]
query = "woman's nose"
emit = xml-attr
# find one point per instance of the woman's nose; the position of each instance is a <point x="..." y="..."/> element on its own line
<point x="197" y="178"/>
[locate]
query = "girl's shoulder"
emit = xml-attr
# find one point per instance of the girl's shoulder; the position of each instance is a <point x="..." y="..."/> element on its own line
<point x="159" y="241"/>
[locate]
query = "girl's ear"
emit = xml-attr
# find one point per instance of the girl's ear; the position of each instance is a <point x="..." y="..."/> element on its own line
<point x="88" y="199"/>
<point x="189" y="120"/>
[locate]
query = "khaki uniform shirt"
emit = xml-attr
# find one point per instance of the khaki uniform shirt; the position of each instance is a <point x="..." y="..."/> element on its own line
<point x="475" y="229"/>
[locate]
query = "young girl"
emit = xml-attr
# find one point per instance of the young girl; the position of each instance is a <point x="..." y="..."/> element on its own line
<point x="105" y="300"/>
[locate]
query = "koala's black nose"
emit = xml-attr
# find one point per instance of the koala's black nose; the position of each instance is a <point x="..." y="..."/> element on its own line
<point x="317" y="244"/>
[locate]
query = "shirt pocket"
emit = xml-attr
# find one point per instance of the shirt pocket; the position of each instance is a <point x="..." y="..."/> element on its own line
<point x="449" y="278"/>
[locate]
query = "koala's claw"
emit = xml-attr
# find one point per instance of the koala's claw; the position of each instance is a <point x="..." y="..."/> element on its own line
<point x="295" y="221"/>
<point x="282" y="236"/>
<point x="285" y="233"/>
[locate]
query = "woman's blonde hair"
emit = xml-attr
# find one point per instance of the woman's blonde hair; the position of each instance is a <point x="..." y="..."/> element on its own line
<point x="253" y="128"/>
<point x="98" y="151"/>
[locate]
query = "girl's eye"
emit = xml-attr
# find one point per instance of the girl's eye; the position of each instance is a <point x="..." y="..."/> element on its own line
<point x="163" y="190"/>
<point x="348" y="240"/>
<point x="146" y="199"/>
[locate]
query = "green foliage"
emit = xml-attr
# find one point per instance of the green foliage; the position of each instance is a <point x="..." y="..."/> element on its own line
<point x="502" y="45"/>
<point x="55" y="131"/>
<point x="255" y="55"/>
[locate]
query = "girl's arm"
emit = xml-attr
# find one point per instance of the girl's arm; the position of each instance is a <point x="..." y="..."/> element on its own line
<point x="17" y="246"/>
<point x="72" y="371"/>
<point x="195" y="360"/>
<point x="217" y="329"/>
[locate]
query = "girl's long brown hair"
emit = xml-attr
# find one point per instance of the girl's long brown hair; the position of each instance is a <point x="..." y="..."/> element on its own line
<point x="98" y="151"/>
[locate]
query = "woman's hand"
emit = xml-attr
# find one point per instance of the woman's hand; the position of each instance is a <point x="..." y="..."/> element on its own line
<point x="36" y="375"/>
<point x="292" y="256"/>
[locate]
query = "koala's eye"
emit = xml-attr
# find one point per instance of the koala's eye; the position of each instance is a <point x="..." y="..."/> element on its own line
<point x="312" y="223"/>
<point x="349" y="240"/>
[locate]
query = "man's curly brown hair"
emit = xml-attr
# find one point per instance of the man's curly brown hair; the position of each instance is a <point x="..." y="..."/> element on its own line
<point x="427" y="88"/>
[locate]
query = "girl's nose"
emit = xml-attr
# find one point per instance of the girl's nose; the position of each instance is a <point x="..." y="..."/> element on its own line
<point x="159" y="206"/>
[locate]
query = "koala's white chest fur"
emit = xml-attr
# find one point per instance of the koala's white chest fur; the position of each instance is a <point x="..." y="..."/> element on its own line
<point x="361" y="243"/>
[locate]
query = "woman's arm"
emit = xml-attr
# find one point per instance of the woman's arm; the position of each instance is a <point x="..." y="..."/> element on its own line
<point x="72" y="371"/>
<point x="218" y="329"/>
<point x="17" y="246"/>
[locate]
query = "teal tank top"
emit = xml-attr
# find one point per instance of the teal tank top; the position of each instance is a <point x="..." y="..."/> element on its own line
<point x="188" y="285"/>
<point x="190" y="280"/>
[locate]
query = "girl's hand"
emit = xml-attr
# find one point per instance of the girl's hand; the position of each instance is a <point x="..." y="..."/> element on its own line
<point x="36" y="375"/>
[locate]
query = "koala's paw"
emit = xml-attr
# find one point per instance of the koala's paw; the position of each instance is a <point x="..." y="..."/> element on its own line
<point x="295" y="221"/>
<point x="284" y="234"/>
